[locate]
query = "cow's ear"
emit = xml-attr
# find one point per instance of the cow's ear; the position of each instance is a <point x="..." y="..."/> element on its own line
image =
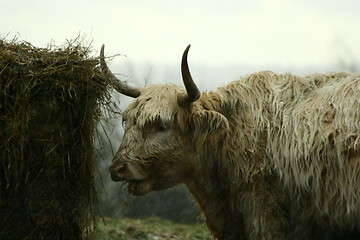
<point x="208" y="122"/>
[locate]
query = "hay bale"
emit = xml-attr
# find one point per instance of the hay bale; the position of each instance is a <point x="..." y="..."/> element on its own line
<point x="49" y="106"/>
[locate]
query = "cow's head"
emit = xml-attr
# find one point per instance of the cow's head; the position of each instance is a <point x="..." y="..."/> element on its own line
<point x="158" y="149"/>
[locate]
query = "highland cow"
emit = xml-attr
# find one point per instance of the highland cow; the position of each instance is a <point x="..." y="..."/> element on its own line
<point x="269" y="156"/>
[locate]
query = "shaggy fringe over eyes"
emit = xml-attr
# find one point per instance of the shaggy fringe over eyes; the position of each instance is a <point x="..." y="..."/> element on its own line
<point x="156" y="103"/>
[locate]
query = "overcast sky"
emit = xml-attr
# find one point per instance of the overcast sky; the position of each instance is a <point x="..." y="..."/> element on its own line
<point x="280" y="35"/>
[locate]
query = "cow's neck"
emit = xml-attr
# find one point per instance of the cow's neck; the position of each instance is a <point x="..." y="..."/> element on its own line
<point x="226" y="163"/>
<point x="206" y="190"/>
<point x="212" y="196"/>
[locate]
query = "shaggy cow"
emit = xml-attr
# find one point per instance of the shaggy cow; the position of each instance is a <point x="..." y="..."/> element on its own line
<point x="270" y="156"/>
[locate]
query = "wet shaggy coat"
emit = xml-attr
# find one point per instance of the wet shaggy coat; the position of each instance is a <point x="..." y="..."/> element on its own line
<point x="270" y="156"/>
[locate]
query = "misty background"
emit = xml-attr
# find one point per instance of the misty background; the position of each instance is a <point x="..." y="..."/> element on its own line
<point x="229" y="39"/>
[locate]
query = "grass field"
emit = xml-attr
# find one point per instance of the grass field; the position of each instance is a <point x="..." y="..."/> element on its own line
<point x="149" y="229"/>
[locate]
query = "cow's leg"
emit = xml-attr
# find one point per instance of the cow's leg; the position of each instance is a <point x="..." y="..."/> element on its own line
<point x="265" y="216"/>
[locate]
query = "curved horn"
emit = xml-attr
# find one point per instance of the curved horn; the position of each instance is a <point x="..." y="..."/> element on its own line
<point x="119" y="85"/>
<point x="193" y="92"/>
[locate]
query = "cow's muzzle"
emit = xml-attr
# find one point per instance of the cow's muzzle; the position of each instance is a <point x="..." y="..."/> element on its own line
<point x="119" y="171"/>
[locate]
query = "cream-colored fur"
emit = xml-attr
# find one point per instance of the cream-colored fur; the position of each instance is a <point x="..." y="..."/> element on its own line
<point x="270" y="156"/>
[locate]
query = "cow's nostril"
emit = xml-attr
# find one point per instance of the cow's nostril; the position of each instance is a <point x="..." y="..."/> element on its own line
<point x="118" y="171"/>
<point x="122" y="168"/>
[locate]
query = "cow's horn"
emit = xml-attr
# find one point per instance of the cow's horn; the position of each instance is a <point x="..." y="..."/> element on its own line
<point x="193" y="92"/>
<point x="118" y="85"/>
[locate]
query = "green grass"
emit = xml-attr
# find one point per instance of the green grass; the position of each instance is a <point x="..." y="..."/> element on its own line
<point x="149" y="229"/>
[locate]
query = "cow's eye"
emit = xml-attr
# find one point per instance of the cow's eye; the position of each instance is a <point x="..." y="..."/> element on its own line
<point x="161" y="128"/>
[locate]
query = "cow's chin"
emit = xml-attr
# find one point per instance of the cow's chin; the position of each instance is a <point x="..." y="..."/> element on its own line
<point x="139" y="187"/>
<point x="143" y="187"/>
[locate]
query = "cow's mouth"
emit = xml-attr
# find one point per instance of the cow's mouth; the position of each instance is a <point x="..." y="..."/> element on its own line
<point x="144" y="186"/>
<point x="138" y="187"/>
